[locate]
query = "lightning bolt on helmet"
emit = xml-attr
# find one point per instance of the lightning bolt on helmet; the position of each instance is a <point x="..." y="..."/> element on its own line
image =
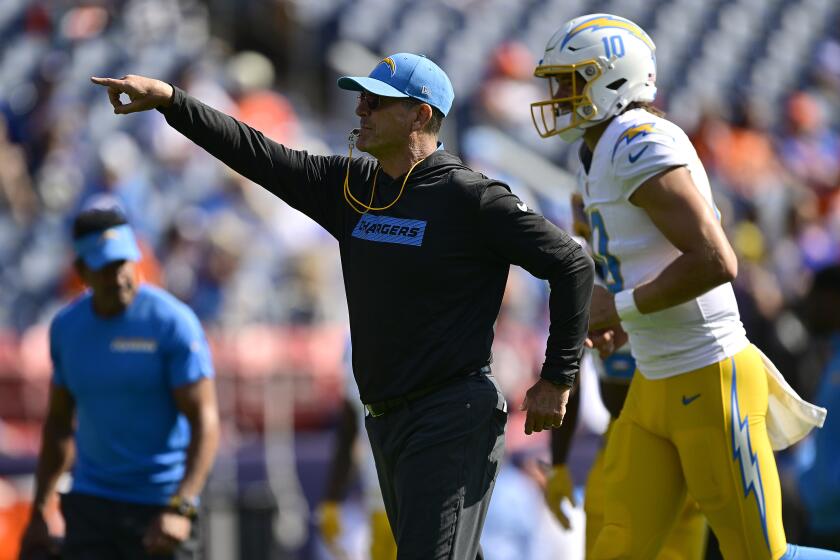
<point x="595" y="66"/>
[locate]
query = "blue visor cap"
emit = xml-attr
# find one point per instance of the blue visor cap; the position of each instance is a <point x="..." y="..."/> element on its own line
<point x="103" y="247"/>
<point x="406" y="75"/>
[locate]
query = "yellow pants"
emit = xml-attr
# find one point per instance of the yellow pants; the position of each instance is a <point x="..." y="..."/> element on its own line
<point x="702" y="433"/>
<point x="686" y="540"/>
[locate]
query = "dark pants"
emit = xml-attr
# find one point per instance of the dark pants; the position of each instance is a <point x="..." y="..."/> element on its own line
<point x="437" y="459"/>
<point x="102" y="529"/>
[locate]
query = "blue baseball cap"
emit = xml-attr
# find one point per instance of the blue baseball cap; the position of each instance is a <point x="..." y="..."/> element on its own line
<point x="102" y="247"/>
<point x="406" y="75"/>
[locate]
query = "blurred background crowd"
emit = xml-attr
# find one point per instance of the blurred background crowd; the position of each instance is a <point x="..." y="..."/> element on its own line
<point x="755" y="83"/>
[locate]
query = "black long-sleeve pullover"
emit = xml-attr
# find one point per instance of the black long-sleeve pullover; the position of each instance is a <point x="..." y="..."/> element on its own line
<point x="424" y="279"/>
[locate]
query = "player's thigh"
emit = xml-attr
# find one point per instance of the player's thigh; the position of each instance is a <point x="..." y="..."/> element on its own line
<point x="729" y="464"/>
<point x="643" y="492"/>
<point x="593" y="497"/>
<point x="687" y="539"/>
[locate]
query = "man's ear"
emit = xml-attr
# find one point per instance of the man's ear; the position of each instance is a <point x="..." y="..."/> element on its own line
<point x="424" y="115"/>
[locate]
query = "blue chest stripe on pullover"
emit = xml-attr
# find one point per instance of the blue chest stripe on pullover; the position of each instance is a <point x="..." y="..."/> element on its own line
<point x="384" y="229"/>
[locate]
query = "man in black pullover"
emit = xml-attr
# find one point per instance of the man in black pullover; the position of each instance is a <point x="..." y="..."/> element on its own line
<point x="426" y="244"/>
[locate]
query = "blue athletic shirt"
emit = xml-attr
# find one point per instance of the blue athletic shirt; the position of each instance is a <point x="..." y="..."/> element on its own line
<point x="131" y="440"/>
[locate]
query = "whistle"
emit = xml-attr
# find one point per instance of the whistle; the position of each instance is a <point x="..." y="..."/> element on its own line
<point x="354" y="134"/>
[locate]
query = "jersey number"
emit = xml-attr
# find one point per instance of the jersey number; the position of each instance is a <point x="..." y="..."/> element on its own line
<point x="614" y="46"/>
<point x="608" y="265"/>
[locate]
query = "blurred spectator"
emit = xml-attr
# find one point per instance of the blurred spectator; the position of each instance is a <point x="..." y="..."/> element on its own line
<point x="505" y="95"/>
<point x="809" y="149"/>
<point x="825" y="76"/>
<point x="819" y="482"/>
<point x="742" y="164"/>
<point x="507" y="92"/>
<point x="16" y="192"/>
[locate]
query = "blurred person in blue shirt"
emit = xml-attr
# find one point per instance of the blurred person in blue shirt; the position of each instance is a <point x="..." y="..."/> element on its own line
<point x="819" y="483"/>
<point x="132" y="409"/>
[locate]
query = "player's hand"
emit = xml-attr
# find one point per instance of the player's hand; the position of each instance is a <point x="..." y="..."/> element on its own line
<point x="36" y="539"/>
<point x="602" y="313"/>
<point x="559" y="487"/>
<point x="328" y="517"/>
<point x="545" y="404"/>
<point x="382" y="544"/>
<point x="166" y="532"/>
<point x="606" y="341"/>
<point x="143" y="93"/>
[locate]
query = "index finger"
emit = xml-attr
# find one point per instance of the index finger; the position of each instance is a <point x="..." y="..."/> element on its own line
<point x="107" y="82"/>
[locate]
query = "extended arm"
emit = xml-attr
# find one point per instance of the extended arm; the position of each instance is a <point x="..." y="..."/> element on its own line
<point x="308" y="183"/>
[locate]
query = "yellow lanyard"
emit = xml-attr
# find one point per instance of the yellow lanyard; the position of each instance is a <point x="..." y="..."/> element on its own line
<point x="354" y="202"/>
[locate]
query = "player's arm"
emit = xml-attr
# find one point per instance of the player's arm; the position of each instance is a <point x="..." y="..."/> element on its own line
<point x="561" y="438"/>
<point x="517" y="235"/>
<point x="685" y="218"/>
<point x="341" y="467"/>
<point x="55" y="457"/>
<point x="558" y="484"/>
<point x="57" y="445"/>
<point x="676" y="207"/>
<point x="197" y="401"/>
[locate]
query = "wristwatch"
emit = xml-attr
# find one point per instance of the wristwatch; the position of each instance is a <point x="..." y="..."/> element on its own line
<point x="182" y="505"/>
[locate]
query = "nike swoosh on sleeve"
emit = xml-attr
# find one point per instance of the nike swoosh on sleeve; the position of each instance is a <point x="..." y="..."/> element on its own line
<point x="637" y="155"/>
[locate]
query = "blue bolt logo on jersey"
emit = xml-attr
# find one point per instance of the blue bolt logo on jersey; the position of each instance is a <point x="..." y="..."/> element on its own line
<point x="747" y="459"/>
<point x="384" y="229"/>
<point x="631" y="134"/>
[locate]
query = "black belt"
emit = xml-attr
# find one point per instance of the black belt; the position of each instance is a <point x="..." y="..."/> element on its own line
<point x="381" y="407"/>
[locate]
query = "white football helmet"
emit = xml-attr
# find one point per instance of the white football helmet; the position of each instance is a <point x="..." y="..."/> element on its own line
<point x="595" y="65"/>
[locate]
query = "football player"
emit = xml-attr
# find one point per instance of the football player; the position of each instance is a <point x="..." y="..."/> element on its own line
<point x="696" y="418"/>
<point x="687" y="538"/>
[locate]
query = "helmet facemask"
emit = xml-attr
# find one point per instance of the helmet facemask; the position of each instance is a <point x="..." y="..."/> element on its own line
<point x="569" y="108"/>
<point x="611" y="63"/>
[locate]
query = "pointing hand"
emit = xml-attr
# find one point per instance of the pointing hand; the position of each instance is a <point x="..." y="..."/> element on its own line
<point x="144" y="93"/>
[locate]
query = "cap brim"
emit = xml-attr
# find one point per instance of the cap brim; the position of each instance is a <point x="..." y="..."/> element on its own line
<point x="359" y="83"/>
<point x="111" y="252"/>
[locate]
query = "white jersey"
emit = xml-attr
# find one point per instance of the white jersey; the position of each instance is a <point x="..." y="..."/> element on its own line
<point x="630" y="249"/>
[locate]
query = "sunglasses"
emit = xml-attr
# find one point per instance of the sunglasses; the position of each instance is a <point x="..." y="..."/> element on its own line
<point x="374" y="101"/>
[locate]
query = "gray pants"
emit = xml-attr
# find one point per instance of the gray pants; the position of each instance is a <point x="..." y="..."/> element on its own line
<point x="437" y="459"/>
<point x="102" y="529"/>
